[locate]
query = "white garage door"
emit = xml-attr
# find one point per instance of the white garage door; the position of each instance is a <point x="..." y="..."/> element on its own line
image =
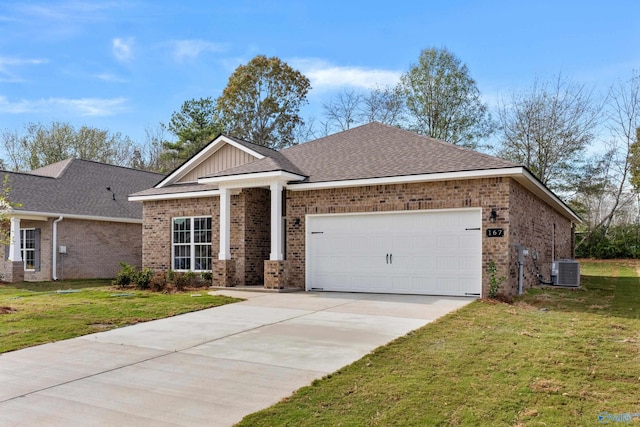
<point x="417" y="252"/>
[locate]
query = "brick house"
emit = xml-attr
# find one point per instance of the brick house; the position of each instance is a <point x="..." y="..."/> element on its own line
<point x="74" y="221"/>
<point x="374" y="209"/>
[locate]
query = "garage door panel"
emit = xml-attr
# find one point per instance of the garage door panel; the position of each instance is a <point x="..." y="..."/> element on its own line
<point x="430" y="252"/>
<point x="401" y="284"/>
<point x="424" y="263"/>
<point x="447" y="241"/>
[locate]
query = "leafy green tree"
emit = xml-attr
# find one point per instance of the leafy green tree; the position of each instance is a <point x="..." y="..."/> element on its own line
<point x="443" y="100"/>
<point x="262" y="100"/>
<point x="40" y="145"/>
<point x="194" y="125"/>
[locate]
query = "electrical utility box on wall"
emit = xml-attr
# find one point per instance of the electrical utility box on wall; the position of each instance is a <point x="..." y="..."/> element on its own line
<point x="565" y="272"/>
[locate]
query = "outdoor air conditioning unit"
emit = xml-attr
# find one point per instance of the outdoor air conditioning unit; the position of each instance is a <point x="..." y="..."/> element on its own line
<point x="565" y="272"/>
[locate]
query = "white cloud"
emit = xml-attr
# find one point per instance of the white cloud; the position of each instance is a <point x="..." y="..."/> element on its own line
<point x="123" y="49"/>
<point x="77" y="106"/>
<point x="109" y="77"/>
<point x="189" y="49"/>
<point x="327" y="76"/>
<point x="7" y="74"/>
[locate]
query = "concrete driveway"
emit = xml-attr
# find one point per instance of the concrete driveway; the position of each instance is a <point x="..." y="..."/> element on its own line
<point x="207" y="368"/>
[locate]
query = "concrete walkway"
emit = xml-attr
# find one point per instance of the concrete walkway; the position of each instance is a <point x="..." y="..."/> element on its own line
<point x="208" y="368"/>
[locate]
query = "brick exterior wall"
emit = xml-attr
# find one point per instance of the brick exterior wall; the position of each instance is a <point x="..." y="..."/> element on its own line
<point x="250" y="231"/>
<point x="256" y="233"/>
<point x="525" y="218"/>
<point x="538" y="227"/>
<point x="94" y="249"/>
<point x="514" y="205"/>
<point x="156" y="227"/>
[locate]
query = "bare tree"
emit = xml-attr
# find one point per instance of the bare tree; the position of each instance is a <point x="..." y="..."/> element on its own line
<point x="152" y="156"/>
<point x="622" y="111"/>
<point x="384" y="105"/>
<point x="342" y="111"/>
<point x="548" y="127"/>
<point x="305" y="132"/>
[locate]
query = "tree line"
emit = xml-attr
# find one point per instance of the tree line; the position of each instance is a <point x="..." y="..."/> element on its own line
<point x="581" y="144"/>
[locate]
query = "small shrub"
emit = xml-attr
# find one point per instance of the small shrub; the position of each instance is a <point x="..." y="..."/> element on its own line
<point x="181" y="281"/>
<point x="158" y="282"/>
<point x="171" y="276"/>
<point x="126" y="276"/>
<point x="494" y="281"/>
<point x="143" y="278"/>
<point x="207" y="276"/>
<point x="191" y="278"/>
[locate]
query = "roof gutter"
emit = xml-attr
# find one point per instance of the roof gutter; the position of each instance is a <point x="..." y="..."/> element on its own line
<point x="20" y="213"/>
<point x="54" y="257"/>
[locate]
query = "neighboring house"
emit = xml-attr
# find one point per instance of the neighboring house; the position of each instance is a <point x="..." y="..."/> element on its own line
<point x="371" y="209"/>
<point x="74" y="221"/>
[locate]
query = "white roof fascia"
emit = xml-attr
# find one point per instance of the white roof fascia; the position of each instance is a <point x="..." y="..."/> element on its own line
<point x="252" y="179"/>
<point x="29" y="215"/>
<point x="173" y="196"/>
<point x="405" y="179"/>
<point x="213" y="146"/>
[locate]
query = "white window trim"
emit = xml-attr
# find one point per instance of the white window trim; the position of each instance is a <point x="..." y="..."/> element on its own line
<point x="192" y="243"/>
<point x="23" y="250"/>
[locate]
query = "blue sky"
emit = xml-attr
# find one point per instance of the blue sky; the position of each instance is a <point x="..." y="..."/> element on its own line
<point x="127" y="65"/>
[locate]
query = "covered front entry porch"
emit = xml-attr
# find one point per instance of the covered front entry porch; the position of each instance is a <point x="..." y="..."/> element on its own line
<point x="236" y="250"/>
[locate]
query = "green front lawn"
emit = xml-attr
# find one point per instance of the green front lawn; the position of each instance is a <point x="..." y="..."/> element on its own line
<point x="557" y="357"/>
<point x="37" y="313"/>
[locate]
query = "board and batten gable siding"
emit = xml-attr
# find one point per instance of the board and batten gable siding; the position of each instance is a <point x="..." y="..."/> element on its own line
<point x="226" y="157"/>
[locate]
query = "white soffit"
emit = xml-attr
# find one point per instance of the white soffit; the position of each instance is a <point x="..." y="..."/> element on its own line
<point x="252" y="179"/>
<point x="173" y="196"/>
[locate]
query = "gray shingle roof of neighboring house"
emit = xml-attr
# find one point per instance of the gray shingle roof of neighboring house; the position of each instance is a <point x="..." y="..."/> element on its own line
<point x="373" y="150"/>
<point x="79" y="187"/>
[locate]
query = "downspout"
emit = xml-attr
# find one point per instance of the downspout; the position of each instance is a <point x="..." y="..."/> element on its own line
<point x="54" y="258"/>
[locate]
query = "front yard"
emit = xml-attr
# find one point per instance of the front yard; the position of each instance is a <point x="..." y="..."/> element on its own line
<point x="555" y="357"/>
<point x="37" y="313"/>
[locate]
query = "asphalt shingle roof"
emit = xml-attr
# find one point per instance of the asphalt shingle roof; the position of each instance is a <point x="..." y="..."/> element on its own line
<point x="373" y="150"/>
<point x="79" y="187"/>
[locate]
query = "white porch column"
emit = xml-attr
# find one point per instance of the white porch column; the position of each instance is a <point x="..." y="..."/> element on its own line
<point x="276" y="222"/>
<point x="225" y="224"/>
<point x="15" y="254"/>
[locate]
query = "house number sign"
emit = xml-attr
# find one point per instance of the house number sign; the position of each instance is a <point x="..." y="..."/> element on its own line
<point x="495" y="232"/>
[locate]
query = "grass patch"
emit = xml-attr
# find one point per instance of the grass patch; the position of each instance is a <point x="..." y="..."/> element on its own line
<point x="36" y="313"/>
<point x="554" y="357"/>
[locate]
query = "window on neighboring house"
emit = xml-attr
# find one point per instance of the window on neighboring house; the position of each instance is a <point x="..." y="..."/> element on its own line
<point x="191" y="243"/>
<point x="30" y="247"/>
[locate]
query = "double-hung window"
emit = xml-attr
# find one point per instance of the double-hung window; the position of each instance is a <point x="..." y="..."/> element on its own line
<point x="191" y="243"/>
<point x="29" y="245"/>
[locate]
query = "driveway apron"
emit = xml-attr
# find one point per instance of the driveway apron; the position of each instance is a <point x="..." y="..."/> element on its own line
<point x="208" y="368"/>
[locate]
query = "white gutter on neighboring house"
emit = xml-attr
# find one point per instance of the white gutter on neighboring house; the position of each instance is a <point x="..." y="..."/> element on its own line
<point x="54" y="258"/>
